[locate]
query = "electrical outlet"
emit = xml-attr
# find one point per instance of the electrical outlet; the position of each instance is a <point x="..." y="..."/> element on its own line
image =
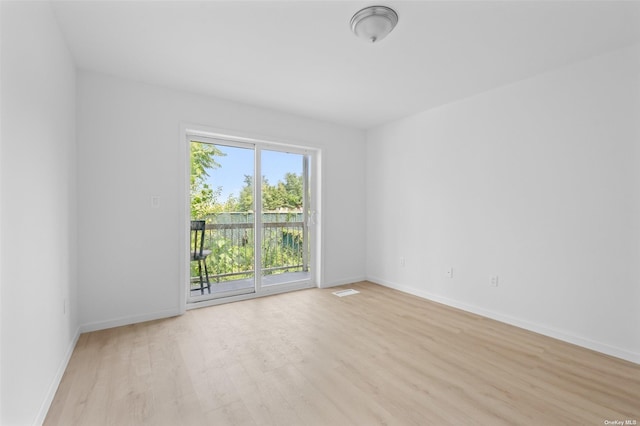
<point x="494" y="281"/>
<point x="450" y="273"/>
<point x="402" y="261"/>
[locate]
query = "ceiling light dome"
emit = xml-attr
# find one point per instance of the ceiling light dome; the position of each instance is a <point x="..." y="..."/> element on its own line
<point x="374" y="23"/>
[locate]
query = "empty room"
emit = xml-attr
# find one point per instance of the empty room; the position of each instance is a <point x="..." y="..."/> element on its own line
<point x="319" y="212"/>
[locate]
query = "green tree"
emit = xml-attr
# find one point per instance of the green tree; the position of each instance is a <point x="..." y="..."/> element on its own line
<point x="230" y="205"/>
<point x="293" y="189"/>
<point x="272" y="197"/>
<point x="203" y="196"/>
<point x="287" y="194"/>
<point x="245" y="198"/>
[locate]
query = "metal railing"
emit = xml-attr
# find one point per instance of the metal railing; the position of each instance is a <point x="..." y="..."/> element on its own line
<point x="284" y="248"/>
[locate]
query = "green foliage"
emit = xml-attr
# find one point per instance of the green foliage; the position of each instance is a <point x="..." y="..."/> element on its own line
<point x="293" y="189"/>
<point x="203" y="197"/>
<point x="283" y="195"/>
<point x="228" y="255"/>
<point x="205" y="201"/>
<point x="245" y="198"/>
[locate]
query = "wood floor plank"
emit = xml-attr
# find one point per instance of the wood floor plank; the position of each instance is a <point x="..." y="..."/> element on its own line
<point x="380" y="357"/>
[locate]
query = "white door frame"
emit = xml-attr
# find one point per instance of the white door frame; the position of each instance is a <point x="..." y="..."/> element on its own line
<point x="258" y="143"/>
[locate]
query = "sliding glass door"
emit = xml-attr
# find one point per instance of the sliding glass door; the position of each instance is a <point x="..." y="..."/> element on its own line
<point x="284" y="218"/>
<point x="221" y="188"/>
<point x="255" y="238"/>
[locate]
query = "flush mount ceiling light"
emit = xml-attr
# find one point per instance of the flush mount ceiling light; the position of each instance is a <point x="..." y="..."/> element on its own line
<point x="374" y="23"/>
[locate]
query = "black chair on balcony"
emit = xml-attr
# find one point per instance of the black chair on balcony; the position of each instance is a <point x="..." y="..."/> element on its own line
<point x="199" y="254"/>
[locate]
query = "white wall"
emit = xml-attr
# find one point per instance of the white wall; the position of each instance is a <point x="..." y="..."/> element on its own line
<point x="38" y="210"/>
<point x="538" y="183"/>
<point x="130" y="148"/>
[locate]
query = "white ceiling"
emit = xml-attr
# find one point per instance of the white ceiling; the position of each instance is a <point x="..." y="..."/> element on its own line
<point x="300" y="56"/>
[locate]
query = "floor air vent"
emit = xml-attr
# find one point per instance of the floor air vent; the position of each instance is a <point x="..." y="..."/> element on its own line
<point x="343" y="293"/>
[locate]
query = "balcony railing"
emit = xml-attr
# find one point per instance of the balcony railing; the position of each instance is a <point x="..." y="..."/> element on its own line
<point x="284" y="248"/>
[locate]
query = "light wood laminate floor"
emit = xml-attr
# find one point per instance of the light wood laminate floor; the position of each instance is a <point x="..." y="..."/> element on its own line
<point x="311" y="358"/>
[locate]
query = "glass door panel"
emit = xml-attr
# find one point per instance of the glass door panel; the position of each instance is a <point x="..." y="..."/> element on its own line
<point x="284" y="217"/>
<point x="222" y="195"/>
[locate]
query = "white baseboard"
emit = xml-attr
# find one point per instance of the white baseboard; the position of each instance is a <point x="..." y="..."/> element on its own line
<point x="342" y="282"/>
<point x="527" y="325"/>
<point x="55" y="383"/>
<point x="133" y="319"/>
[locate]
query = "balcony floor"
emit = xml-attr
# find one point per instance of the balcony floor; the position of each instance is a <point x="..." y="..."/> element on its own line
<point x="247" y="284"/>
